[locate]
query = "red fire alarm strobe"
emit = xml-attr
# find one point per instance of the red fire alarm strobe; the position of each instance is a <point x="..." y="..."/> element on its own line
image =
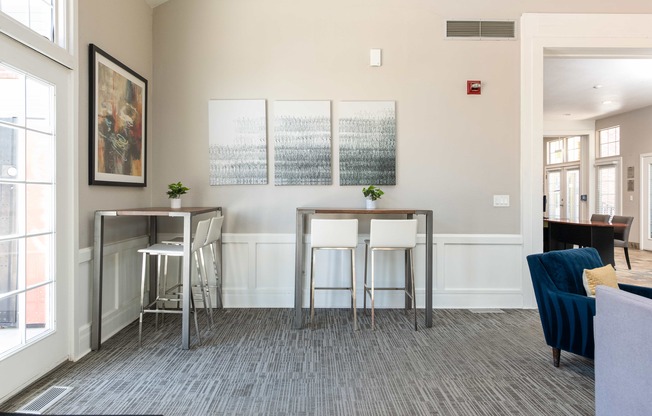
<point x="474" y="87"/>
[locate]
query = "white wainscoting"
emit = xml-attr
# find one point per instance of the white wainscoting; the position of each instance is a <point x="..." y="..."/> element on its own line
<point x="470" y="271"/>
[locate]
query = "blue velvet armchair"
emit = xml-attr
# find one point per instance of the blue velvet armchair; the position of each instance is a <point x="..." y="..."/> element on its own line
<point x="565" y="310"/>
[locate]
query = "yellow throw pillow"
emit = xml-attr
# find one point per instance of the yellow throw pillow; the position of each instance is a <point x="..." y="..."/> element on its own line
<point x="605" y="275"/>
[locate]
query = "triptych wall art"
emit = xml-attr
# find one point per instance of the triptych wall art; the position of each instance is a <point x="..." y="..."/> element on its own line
<point x="302" y="142"/>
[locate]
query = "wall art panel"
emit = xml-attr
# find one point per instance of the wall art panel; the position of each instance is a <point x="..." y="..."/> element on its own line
<point x="237" y="139"/>
<point x="302" y="143"/>
<point x="367" y="136"/>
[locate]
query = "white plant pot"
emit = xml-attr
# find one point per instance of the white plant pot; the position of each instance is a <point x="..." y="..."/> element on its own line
<point x="371" y="204"/>
<point x="175" y="203"/>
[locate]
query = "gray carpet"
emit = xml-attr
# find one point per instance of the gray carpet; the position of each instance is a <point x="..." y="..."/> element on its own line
<point x="253" y="363"/>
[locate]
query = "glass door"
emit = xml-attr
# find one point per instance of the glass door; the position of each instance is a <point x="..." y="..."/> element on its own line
<point x="563" y="193"/>
<point x="36" y="214"/>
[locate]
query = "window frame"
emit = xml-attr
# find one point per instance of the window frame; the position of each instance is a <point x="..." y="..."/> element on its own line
<point x="615" y="161"/>
<point x="565" y="150"/>
<point x="61" y="50"/>
<point x="598" y="144"/>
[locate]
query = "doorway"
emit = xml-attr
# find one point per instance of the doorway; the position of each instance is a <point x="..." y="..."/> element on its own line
<point x="36" y="217"/>
<point x="646" y="202"/>
<point x="573" y="34"/>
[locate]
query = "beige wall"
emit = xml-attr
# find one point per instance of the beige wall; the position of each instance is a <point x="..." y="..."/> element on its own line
<point x="123" y="29"/>
<point x="454" y="151"/>
<point x="635" y="139"/>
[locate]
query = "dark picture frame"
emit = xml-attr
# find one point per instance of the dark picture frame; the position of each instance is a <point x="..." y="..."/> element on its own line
<point x="117" y="122"/>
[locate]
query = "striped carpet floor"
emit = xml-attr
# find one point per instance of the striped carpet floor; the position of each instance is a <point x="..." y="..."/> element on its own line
<point x="253" y="363"/>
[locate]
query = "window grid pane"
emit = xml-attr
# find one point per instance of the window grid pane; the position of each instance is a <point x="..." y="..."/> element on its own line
<point x="555" y="151"/>
<point x="27" y="200"/>
<point x="573" y="149"/>
<point x="606" y="203"/>
<point x="37" y="15"/>
<point x="554" y="194"/>
<point x="609" y="142"/>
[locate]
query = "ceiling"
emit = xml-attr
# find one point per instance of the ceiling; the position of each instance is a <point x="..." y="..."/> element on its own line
<point x="585" y="88"/>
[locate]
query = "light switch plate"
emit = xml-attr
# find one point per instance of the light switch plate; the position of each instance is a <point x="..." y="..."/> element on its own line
<point x="501" y="200"/>
<point x="375" y="57"/>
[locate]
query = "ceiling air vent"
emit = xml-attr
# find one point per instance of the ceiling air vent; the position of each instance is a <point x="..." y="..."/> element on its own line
<point x="481" y="29"/>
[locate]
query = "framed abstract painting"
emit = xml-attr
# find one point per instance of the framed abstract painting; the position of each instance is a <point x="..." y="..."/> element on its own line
<point x="117" y="122"/>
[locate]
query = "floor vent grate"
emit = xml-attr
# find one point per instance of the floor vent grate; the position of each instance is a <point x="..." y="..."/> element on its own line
<point x="44" y="400"/>
<point x="486" y="310"/>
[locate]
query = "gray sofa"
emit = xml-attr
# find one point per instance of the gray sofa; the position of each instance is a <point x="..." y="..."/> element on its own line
<point x="623" y="353"/>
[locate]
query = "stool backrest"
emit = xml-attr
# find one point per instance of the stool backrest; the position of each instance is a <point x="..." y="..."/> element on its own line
<point x="215" y="230"/>
<point x="200" y="234"/>
<point x="393" y="234"/>
<point x="334" y="233"/>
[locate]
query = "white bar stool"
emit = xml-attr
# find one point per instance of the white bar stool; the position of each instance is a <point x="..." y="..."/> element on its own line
<point x="199" y="241"/>
<point x="333" y="235"/>
<point x="162" y="251"/>
<point x="391" y="235"/>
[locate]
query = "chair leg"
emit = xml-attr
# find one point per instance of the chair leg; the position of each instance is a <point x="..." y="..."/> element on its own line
<point x="142" y="300"/>
<point x="353" y="301"/>
<point x="414" y="298"/>
<point x="158" y="290"/>
<point x="312" y="285"/>
<point x="204" y="280"/>
<point x="556" y="356"/>
<point x="218" y="275"/>
<point x="629" y="266"/>
<point x="205" y="297"/>
<point x="194" y="313"/>
<point x="373" y="310"/>
<point x="406" y="286"/>
<point x="364" y="286"/>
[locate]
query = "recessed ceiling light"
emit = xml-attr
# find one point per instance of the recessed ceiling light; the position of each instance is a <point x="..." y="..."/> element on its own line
<point x="597" y="86"/>
<point x="607" y="102"/>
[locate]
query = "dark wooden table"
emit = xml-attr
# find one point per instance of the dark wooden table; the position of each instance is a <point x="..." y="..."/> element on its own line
<point x="563" y="234"/>
<point x="303" y="214"/>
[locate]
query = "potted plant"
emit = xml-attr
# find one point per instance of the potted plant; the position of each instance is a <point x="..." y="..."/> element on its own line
<point x="175" y="190"/>
<point x="372" y="194"/>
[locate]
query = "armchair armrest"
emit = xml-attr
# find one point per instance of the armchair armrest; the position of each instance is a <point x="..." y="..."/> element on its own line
<point x="637" y="290"/>
<point x="570" y="322"/>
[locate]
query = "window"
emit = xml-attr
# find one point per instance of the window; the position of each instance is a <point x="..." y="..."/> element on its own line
<point x="607" y="188"/>
<point x="573" y="149"/>
<point x="27" y="198"/>
<point x="609" y="142"/>
<point x="37" y="15"/>
<point x="563" y="149"/>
